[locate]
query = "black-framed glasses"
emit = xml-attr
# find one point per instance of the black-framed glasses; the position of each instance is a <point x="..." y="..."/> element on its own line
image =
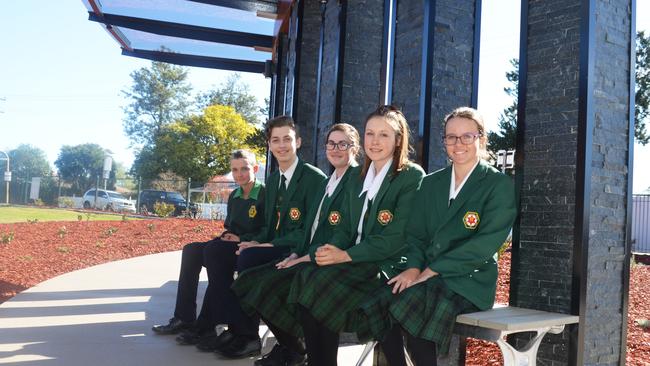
<point x="465" y="139"/>
<point x="340" y="146"/>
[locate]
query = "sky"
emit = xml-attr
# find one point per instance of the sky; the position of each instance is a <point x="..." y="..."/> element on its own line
<point x="61" y="77"/>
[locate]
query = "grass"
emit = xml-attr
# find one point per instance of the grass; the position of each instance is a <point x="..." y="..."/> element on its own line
<point x="9" y="214"/>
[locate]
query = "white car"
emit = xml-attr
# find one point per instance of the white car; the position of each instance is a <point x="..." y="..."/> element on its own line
<point x="107" y="200"/>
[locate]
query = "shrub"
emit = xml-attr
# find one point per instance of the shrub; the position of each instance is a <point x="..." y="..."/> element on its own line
<point x="65" y="202"/>
<point x="110" y="231"/>
<point x="162" y="209"/>
<point x="62" y="232"/>
<point x="6" y="238"/>
<point x="39" y="202"/>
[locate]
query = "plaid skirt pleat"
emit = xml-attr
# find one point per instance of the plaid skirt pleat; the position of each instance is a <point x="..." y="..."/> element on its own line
<point x="333" y="293"/>
<point x="264" y="290"/>
<point x="428" y="310"/>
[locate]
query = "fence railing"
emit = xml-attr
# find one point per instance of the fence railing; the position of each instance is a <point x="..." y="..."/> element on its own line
<point x="641" y="223"/>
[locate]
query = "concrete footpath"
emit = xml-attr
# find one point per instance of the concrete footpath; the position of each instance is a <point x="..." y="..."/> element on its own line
<point x="103" y="315"/>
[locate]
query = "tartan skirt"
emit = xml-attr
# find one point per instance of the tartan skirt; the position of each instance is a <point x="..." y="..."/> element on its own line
<point x="333" y="294"/>
<point x="428" y="310"/>
<point x="264" y="290"/>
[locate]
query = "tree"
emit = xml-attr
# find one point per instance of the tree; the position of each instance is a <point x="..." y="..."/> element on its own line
<point x="199" y="147"/>
<point x="504" y="139"/>
<point x="28" y="161"/>
<point x="159" y="95"/>
<point x="236" y="93"/>
<point x="82" y="164"/>
<point x="642" y="94"/>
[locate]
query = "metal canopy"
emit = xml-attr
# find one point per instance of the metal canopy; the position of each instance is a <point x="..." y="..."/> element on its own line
<point x="197" y="61"/>
<point x="184" y="30"/>
<point x="248" y="5"/>
<point x="226" y="35"/>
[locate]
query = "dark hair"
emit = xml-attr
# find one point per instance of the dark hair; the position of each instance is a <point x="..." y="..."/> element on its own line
<point x="280" y="121"/>
<point x="350" y="132"/>
<point x="244" y="154"/>
<point x="396" y="119"/>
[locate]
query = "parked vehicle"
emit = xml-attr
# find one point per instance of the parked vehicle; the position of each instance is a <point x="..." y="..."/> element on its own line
<point x="149" y="197"/>
<point x="107" y="200"/>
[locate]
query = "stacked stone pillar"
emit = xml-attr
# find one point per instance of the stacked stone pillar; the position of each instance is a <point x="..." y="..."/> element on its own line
<point x="571" y="247"/>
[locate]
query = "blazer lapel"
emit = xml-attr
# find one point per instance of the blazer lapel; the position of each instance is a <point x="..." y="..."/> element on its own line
<point x="272" y="193"/>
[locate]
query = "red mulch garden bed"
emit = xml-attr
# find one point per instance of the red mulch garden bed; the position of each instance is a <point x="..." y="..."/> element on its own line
<point x="43" y="250"/>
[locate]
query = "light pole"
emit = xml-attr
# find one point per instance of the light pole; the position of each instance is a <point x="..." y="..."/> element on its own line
<point x="7" y="177"/>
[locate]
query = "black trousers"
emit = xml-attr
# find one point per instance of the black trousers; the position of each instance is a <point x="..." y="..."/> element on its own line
<point x="188" y="280"/>
<point x="222" y="305"/>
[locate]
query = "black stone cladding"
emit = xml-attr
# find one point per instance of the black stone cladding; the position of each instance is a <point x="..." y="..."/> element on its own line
<point x="548" y="194"/>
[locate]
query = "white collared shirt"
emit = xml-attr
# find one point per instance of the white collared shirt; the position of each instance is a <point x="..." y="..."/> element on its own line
<point x="288" y="173"/>
<point x="332" y="183"/>
<point x="371" y="186"/>
<point x="453" y="192"/>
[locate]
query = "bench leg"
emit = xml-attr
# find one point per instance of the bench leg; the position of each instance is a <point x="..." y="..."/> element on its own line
<point x="366" y="351"/>
<point x="527" y="356"/>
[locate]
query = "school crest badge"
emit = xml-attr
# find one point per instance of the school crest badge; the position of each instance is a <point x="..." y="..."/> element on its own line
<point x="252" y="212"/>
<point x="294" y="214"/>
<point x="334" y="218"/>
<point x="385" y="217"/>
<point x="471" y="220"/>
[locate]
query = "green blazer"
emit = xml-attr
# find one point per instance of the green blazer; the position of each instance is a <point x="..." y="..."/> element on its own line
<point x="459" y="241"/>
<point x="245" y="217"/>
<point x="298" y="199"/>
<point x="330" y="217"/>
<point x="383" y="235"/>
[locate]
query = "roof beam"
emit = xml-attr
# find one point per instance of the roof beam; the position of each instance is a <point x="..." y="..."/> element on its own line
<point x="184" y="30"/>
<point x="198" y="61"/>
<point x="247" y="5"/>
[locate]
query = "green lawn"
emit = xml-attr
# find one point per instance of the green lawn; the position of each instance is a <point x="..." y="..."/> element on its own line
<point x="22" y="214"/>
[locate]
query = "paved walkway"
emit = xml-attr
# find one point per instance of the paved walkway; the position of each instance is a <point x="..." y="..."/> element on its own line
<point x="102" y="315"/>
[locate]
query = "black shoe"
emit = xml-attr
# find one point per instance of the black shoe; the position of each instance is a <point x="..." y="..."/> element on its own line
<point x="295" y="359"/>
<point x="241" y="347"/>
<point x="281" y="356"/>
<point x="275" y="357"/>
<point x="174" y="326"/>
<point x="214" y="342"/>
<point x="193" y="336"/>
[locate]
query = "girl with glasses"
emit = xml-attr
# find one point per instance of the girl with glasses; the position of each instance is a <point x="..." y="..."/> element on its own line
<point x="465" y="213"/>
<point x="264" y="290"/>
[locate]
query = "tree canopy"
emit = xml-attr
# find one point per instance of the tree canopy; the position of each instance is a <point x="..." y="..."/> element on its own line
<point x="28" y="161"/>
<point x="80" y="165"/>
<point x="199" y="146"/>
<point x="642" y="94"/>
<point x="159" y="96"/>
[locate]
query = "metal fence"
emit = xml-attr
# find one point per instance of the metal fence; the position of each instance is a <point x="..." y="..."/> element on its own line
<point x="54" y="191"/>
<point x="641" y="223"/>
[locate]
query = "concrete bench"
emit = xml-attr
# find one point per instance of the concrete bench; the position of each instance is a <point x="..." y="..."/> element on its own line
<point x="495" y="324"/>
